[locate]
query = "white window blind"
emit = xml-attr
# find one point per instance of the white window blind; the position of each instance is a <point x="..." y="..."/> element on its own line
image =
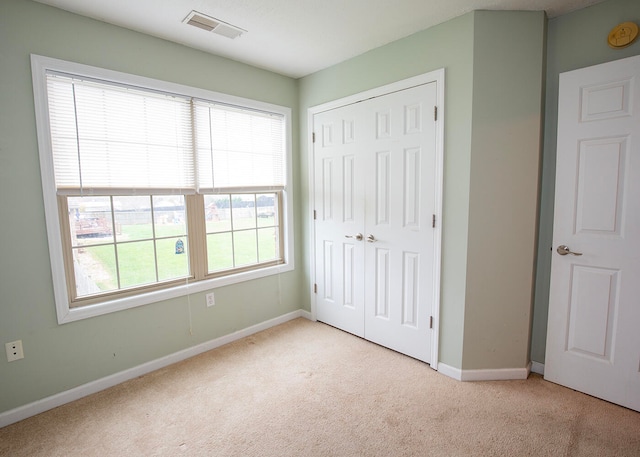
<point x="239" y="149"/>
<point x="114" y="139"/>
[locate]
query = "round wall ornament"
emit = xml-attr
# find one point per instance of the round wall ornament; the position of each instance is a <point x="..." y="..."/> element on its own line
<point x="622" y="35"/>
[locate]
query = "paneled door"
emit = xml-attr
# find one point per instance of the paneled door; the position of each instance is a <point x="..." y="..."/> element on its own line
<point x="375" y="205"/>
<point x="593" y="336"/>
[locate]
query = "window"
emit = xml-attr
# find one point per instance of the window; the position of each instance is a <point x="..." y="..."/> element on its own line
<point x="154" y="190"/>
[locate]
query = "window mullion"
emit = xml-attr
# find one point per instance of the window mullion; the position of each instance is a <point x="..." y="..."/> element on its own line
<point x="154" y="236"/>
<point x="115" y="242"/>
<point x="233" y="238"/>
<point x="196" y="233"/>
<point x="255" y="223"/>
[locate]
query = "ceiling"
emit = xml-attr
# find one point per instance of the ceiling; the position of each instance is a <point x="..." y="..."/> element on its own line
<point x="295" y="37"/>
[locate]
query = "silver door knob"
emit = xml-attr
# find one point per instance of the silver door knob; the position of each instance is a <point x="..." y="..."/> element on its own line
<point x="371" y="238"/>
<point x="564" y="250"/>
<point x="357" y="236"/>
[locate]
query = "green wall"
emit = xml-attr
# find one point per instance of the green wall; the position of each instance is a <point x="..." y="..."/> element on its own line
<point x="506" y="142"/>
<point x="60" y="357"/>
<point x="574" y="41"/>
<point x="449" y="45"/>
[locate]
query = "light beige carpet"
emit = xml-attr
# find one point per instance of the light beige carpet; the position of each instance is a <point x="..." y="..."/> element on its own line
<point x="306" y="389"/>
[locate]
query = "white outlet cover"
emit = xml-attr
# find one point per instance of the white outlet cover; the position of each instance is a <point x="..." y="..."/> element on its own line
<point x="14" y="350"/>
<point x="211" y="299"/>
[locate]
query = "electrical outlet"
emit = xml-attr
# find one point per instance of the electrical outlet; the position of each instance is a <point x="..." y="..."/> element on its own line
<point x="14" y="350"/>
<point x="211" y="299"/>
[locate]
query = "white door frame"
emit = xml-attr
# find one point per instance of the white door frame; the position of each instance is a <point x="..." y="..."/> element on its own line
<point x="436" y="76"/>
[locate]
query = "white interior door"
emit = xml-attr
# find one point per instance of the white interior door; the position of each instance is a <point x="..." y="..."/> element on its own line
<point x="375" y="199"/>
<point x="593" y="336"/>
<point x="339" y="219"/>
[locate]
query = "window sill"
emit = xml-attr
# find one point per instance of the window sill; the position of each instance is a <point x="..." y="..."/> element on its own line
<point x="66" y="314"/>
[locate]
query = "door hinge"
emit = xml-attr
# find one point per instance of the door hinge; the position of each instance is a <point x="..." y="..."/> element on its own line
<point x="430" y="321"/>
<point x="433" y="221"/>
<point x="315" y="215"/>
<point x="315" y="288"/>
<point x="313" y="137"/>
<point x="435" y="113"/>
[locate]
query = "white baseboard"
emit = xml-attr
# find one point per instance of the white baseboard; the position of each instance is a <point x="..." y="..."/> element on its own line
<point x="537" y="367"/>
<point x="500" y="374"/>
<point x="45" y="404"/>
<point x="452" y="372"/>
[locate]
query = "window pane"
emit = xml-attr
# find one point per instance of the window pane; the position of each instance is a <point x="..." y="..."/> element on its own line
<point x="219" y="252"/>
<point x="267" y="210"/>
<point x="90" y="220"/>
<point x="244" y="248"/>
<point x="95" y="270"/>
<point x="137" y="263"/>
<point x="169" y="214"/>
<point x="137" y="225"/>
<point x="133" y="218"/>
<point x="217" y="213"/>
<point x="243" y="211"/>
<point x="173" y="258"/>
<point x="268" y="245"/>
<point x="254" y="228"/>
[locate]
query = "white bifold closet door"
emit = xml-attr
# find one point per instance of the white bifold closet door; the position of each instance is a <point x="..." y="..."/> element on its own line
<point x="375" y="200"/>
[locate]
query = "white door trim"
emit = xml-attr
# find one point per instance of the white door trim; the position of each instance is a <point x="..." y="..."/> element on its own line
<point x="437" y="76"/>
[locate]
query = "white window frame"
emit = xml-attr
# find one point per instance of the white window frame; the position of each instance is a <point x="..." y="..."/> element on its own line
<point x="40" y="65"/>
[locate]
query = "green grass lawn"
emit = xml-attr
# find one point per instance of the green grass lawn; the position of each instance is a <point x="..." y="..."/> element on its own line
<point x="137" y="261"/>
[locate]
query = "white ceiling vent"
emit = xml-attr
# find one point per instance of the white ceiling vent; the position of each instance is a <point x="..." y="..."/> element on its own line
<point x="211" y="24"/>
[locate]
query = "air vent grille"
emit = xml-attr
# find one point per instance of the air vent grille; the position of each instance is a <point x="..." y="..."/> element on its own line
<point x="202" y="22"/>
<point x="211" y="24"/>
